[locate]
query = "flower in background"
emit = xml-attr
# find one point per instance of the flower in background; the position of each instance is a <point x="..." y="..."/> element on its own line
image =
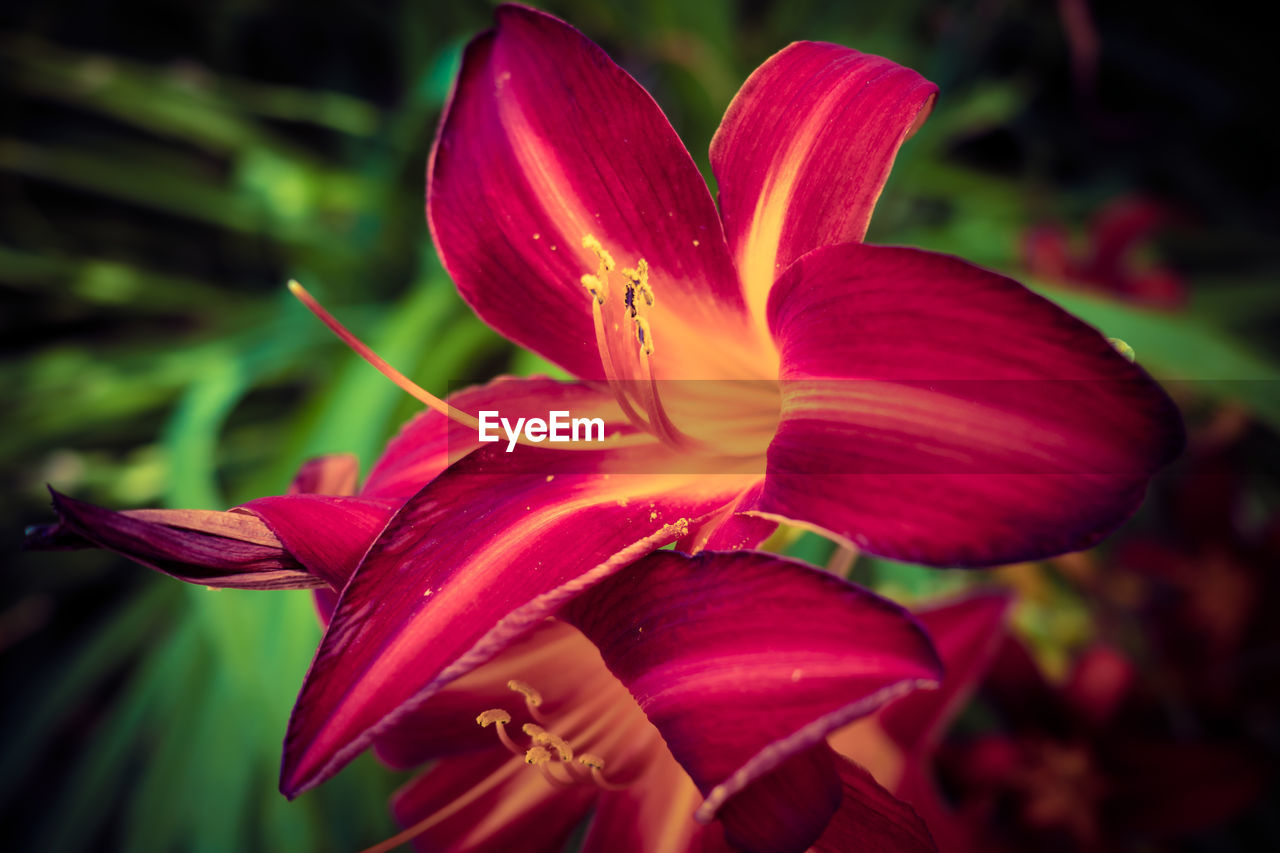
<point x="1095" y="763"/>
<point x="754" y="365"/>
<point x="1108" y="262"/>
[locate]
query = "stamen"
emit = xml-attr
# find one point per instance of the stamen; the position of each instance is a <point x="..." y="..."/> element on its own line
<point x="542" y="737"/>
<point x="532" y="698"/>
<point x="539" y="757"/>
<point x="557" y="775"/>
<point x="499" y="718"/>
<point x="628" y="369"/>
<point x="551" y="754"/>
<point x="493" y="715"/>
<point x="606" y="259"/>
<point x="605" y="345"/>
<point x="595" y="766"/>
<point x="596" y="286"/>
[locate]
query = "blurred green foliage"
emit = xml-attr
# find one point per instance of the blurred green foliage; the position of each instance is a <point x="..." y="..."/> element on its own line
<point x="162" y="179"/>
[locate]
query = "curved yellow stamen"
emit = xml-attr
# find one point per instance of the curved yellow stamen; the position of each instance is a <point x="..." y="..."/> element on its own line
<point x="532" y="698"/>
<point x="499" y="719"/>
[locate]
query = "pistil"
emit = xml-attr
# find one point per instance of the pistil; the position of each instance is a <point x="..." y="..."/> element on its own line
<point x="426" y="397"/>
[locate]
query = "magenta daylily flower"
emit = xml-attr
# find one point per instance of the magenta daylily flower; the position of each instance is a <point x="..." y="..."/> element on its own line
<point x="1109" y="261"/>
<point x="754" y="365"/>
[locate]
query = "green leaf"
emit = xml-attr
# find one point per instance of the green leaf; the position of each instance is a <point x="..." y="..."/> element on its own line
<point x="1180" y="351"/>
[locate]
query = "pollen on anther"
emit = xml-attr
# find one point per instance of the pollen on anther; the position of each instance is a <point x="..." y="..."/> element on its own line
<point x="493" y="715"/>
<point x="559" y="744"/>
<point x="643" y="335"/>
<point x="537" y="755"/>
<point x="591" y="760"/>
<point x="595" y="285"/>
<point x="590" y="242"/>
<point x="531" y="696"/>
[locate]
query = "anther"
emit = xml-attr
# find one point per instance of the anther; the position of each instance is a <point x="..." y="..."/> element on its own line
<point x="493" y="715"/>
<point x="640" y="279"/>
<point x="643" y="335"/>
<point x="594" y="765"/>
<point x="596" y="286"/>
<point x="606" y="259"/>
<point x="537" y="755"/>
<point x="499" y="719"/>
<point x="532" y="698"/>
<point x="542" y="737"/>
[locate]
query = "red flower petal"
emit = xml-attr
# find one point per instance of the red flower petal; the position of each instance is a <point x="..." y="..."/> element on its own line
<point x="967" y="634"/>
<point x="480" y="555"/>
<point x="335" y="474"/>
<point x="544" y="142"/>
<point x="221" y="549"/>
<point x="328" y="535"/>
<point x="739" y="683"/>
<point x="554" y="656"/>
<point x="429" y="442"/>
<point x="657" y="816"/>
<point x="871" y="819"/>
<point x="786" y="809"/>
<point x="730" y="529"/>
<point x="940" y="413"/>
<point x="804" y="151"/>
<point x="490" y="801"/>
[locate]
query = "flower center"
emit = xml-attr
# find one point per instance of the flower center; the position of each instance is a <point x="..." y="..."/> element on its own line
<point x="625" y="341"/>
<point x="551" y="754"/>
